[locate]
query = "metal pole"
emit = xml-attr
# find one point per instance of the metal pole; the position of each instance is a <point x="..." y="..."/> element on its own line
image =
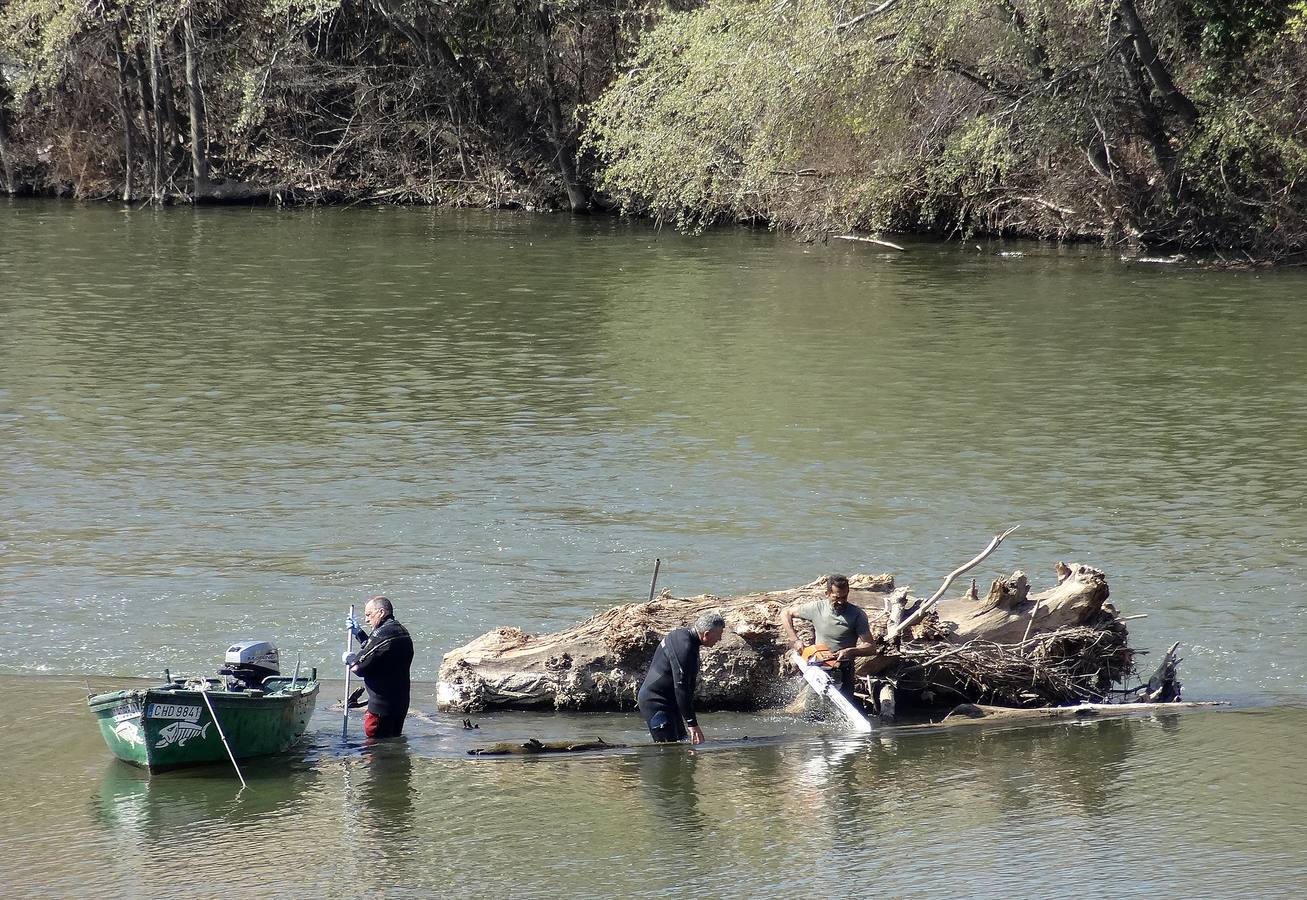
<point x="657" y="563"/>
<point x="349" y="645"/>
<point x="204" y="692"/>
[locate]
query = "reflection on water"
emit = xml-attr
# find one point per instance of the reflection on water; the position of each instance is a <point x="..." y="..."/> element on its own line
<point x="381" y="791"/>
<point x="148" y="809"/>
<point x="667" y="783"/>
<point x="1199" y="804"/>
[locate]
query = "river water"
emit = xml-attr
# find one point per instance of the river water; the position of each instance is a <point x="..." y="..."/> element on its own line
<point x="218" y="424"/>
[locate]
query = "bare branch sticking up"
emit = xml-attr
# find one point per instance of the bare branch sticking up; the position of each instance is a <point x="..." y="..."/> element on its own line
<point x="895" y="629"/>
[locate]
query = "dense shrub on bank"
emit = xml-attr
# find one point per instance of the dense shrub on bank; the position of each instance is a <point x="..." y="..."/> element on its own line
<point x="1165" y="122"/>
<point x="460" y="102"/>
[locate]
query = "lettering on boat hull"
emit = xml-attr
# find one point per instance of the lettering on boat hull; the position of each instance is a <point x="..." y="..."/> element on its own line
<point x="130" y="711"/>
<point x="175" y="711"/>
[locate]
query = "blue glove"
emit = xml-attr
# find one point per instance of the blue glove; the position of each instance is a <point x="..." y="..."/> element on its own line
<point x="353" y="625"/>
<point x="349" y="657"/>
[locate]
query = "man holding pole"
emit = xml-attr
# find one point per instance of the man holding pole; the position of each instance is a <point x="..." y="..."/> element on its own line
<point x="384" y="661"/>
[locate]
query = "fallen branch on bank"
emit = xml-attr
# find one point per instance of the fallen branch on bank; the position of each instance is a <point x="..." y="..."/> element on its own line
<point x="870" y="240"/>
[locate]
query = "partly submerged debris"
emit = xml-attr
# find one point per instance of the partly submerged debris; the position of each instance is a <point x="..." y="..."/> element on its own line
<point x="1010" y="647"/>
<point x="532" y="746"/>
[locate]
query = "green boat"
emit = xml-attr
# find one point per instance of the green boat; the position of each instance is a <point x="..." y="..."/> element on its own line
<point x="258" y="710"/>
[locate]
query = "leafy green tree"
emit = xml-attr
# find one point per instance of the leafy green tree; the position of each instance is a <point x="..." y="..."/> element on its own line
<point x="1082" y="118"/>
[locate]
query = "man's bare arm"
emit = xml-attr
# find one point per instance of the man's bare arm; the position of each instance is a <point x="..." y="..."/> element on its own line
<point x="787" y="623"/>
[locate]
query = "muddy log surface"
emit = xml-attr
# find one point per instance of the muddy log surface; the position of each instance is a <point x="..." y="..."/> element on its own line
<point x="598" y="664"/>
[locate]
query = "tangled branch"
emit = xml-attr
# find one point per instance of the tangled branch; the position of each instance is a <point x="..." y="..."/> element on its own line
<point x="1069" y="665"/>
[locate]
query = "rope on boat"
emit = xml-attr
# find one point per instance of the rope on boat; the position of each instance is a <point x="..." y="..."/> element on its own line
<point x="232" y="756"/>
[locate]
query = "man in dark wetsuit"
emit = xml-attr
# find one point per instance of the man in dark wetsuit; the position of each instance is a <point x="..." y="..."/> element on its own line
<point x="838" y="624"/>
<point x="383" y="661"/>
<point x="666" y="697"/>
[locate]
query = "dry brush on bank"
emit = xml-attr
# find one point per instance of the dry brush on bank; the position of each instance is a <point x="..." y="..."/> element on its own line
<point x="231" y="100"/>
<point x="1165" y="123"/>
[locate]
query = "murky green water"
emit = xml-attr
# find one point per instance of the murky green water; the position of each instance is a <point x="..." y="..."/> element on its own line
<point x="217" y="424"/>
<point x="1199" y="804"/>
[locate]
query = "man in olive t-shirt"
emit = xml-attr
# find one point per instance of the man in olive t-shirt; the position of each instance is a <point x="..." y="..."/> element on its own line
<point x="838" y="624"/>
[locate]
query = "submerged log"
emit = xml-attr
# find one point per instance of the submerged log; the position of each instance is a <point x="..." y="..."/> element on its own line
<point x="532" y="746"/>
<point x="599" y="663"/>
<point x="969" y="713"/>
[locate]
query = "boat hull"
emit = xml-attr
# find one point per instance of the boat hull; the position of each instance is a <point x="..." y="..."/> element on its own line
<point x="170" y="727"/>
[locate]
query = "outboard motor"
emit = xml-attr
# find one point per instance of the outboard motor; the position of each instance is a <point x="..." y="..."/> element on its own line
<point x="249" y="662"/>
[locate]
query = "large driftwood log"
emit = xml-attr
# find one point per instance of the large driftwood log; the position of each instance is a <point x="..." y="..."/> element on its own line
<point x="1008" y="610"/>
<point x="599" y="663"/>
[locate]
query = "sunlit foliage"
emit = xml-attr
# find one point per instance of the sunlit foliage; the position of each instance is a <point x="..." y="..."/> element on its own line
<point x="966" y="115"/>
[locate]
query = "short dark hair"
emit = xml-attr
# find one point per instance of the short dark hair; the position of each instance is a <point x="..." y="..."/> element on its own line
<point x="836" y="582"/>
<point x="384" y="602"/>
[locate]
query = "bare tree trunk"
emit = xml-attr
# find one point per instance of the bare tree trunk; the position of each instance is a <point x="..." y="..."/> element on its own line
<point x="195" y="105"/>
<point x="124" y="99"/>
<point x="564" y="153"/>
<point x="1157" y="71"/>
<point x="139" y="69"/>
<point x="5" y="171"/>
<point x="156" y="103"/>
<point x="173" y="119"/>
<point x="1153" y="127"/>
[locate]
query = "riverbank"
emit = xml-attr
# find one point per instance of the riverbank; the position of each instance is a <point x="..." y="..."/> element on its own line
<point x="1011" y="247"/>
<point x="1184" y="136"/>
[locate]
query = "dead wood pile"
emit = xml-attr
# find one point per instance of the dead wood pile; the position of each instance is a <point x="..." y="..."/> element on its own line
<point x="1010" y="648"/>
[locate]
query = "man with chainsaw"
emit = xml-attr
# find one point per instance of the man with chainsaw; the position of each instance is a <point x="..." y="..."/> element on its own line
<point x="841" y="631"/>
<point x="666" y="697"/>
